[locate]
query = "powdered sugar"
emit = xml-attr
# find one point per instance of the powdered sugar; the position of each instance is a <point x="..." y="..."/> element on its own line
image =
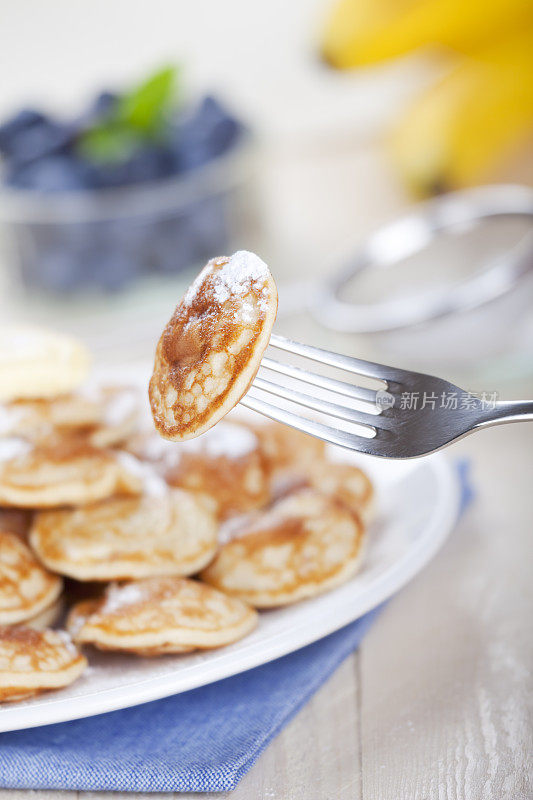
<point x="233" y="279"/>
<point x="67" y="642"/>
<point x="9" y="418"/>
<point x="236" y="275"/>
<point x="13" y="447"/>
<point x="224" y="440"/>
<point x="227" y="439"/>
<point x="152" y="483"/>
<point x="119" y="596"/>
<point x="121" y="405"/>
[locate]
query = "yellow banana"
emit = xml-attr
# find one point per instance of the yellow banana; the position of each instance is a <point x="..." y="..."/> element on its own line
<point x="361" y="32"/>
<point x="464" y="125"/>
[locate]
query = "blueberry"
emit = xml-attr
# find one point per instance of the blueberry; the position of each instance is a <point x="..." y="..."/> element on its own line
<point x="207" y="221"/>
<point x="203" y="133"/>
<point x="221" y="128"/>
<point x="126" y="234"/>
<point x="110" y="175"/>
<point x="41" y="139"/>
<point x="104" y="103"/>
<point x="101" y="108"/>
<point x="56" y="173"/>
<point x="78" y="237"/>
<point x="79" y="255"/>
<point x="60" y="270"/>
<point x="112" y="269"/>
<point x="45" y="261"/>
<point x="173" y="246"/>
<point x="22" y="121"/>
<point x="150" y="163"/>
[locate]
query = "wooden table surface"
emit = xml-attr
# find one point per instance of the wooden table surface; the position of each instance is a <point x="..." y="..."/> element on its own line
<point x="436" y="704"/>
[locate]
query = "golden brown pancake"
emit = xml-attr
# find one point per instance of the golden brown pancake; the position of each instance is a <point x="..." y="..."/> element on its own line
<point x="26" y="587"/>
<point x="48" y="618"/>
<point x="304" y="545"/>
<point x="161" y="615"/>
<point x="211" y="349"/>
<point x="169" y="533"/>
<point x="39" y="363"/>
<point x="224" y="463"/>
<point x="32" y="661"/>
<point x="37" y="420"/>
<point x="119" y="416"/>
<point x="104" y="416"/>
<point x="16" y="520"/>
<point x="296" y="460"/>
<point x="286" y="453"/>
<point x="66" y="471"/>
<point x="347" y="483"/>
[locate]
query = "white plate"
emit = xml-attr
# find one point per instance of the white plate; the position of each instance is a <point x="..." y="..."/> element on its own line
<point x="418" y="504"/>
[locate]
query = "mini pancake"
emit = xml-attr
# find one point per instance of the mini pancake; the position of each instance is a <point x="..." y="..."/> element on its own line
<point x="286" y="451"/>
<point x="104" y="417"/>
<point x="37" y="420"/>
<point x="26" y="587"/>
<point x="168" y="533"/>
<point x="16" y="520"/>
<point x="284" y="447"/>
<point x="48" y="618"/>
<point x="225" y="463"/>
<point x="161" y="615"/>
<point x="32" y="661"/>
<point x="211" y="349"/>
<point x="66" y="471"/>
<point x="304" y="545"/>
<point x="120" y="411"/>
<point x="38" y="363"/>
<point x="346" y="482"/>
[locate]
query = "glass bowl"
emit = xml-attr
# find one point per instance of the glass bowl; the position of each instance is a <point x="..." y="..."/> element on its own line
<point x="67" y="242"/>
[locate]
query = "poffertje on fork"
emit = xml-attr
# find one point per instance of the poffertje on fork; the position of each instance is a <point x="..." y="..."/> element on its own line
<point x="210" y="357"/>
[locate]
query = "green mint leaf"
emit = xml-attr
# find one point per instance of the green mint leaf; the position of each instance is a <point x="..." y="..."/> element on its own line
<point x="144" y="108"/>
<point x="140" y="115"/>
<point x="108" y="143"/>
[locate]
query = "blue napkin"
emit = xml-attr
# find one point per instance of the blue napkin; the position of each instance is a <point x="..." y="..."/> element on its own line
<point x="199" y="741"/>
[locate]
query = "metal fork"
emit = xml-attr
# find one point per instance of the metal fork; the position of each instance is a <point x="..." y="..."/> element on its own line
<point x="408" y="415"/>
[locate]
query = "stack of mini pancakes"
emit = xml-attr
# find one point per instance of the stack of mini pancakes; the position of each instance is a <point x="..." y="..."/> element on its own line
<point x="167" y="547"/>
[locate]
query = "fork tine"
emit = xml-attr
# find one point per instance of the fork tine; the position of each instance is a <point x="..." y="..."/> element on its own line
<point x="316" y="404"/>
<point x="355" y="365"/>
<point x="342" y="438"/>
<point x="323" y="382"/>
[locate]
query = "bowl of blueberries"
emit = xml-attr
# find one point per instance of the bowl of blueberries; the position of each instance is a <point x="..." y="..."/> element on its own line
<point x="138" y="184"/>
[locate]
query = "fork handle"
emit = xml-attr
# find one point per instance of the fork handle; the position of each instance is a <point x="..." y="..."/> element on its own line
<point x="506" y="411"/>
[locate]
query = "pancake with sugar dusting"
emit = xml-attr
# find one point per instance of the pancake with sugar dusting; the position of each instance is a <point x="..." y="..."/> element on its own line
<point x="26" y="587"/>
<point x="37" y="420"/>
<point x="62" y="472"/>
<point x="171" y="532"/>
<point x="39" y="363"/>
<point x="119" y="417"/>
<point x="304" y="545"/>
<point x="211" y="349"/>
<point x="161" y="615"/>
<point x="33" y="661"/>
<point x="104" y="417"/>
<point x="346" y="482"/>
<point x="224" y="463"/>
<point x="286" y="451"/>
